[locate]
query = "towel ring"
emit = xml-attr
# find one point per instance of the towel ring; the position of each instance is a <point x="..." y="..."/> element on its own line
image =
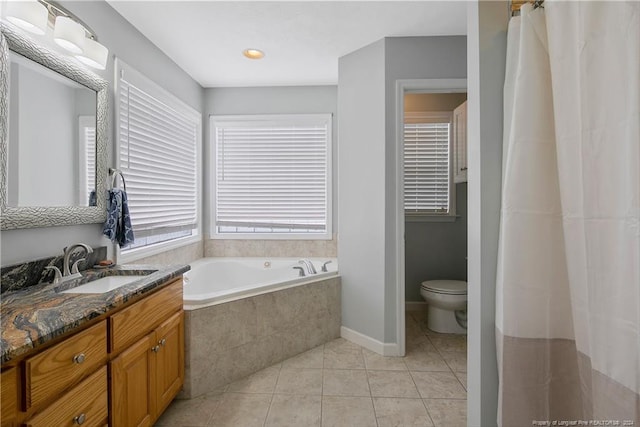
<point x="115" y="173"/>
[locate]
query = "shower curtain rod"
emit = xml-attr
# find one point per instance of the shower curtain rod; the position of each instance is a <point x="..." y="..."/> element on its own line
<point x="517" y="4"/>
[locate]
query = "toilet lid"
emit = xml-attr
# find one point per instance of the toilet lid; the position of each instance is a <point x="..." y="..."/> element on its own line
<point x="451" y="287"/>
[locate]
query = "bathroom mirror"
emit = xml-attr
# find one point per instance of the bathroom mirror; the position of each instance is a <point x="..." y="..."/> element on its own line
<point x="52" y="137"/>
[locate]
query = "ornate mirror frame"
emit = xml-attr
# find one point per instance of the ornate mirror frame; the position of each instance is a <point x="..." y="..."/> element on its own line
<point x="30" y="217"/>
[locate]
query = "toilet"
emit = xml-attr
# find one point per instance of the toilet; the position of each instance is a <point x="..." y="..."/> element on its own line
<point x="447" y="305"/>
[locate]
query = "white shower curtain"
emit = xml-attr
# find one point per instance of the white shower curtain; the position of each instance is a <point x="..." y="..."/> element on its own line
<point x="568" y="287"/>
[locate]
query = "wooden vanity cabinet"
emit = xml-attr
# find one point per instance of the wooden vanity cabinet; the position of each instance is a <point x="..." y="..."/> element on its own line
<point x="123" y="370"/>
<point x="9" y="397"/>
<point x="149" y="370"/>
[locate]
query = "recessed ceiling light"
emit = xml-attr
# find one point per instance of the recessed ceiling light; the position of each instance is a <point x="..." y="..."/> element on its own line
<point x="253" y="53"/>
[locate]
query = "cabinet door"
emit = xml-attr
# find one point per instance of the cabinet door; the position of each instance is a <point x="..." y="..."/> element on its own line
<point x="170" y="360"/>
<point x="132" y="382"/>
<point x="8" y="397"/>
<point x="460" y="143"/>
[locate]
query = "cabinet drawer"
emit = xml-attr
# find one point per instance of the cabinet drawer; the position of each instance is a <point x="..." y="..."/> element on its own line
<point x="8" y="397"/>
<point x="65" y="364"/>
<point x="86" y="404"/>
<point x="138" y="320"/>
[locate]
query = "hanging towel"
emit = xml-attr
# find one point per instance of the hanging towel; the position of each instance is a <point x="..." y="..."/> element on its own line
<point x="118" y="224"/>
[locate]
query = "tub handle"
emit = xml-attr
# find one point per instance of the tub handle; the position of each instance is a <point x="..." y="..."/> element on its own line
<point x="324" y="266"/>
<point x="301" y="274"/>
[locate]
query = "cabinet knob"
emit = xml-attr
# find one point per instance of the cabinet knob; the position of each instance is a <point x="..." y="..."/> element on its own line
<point x="80" y="419"/>
<point x="79" y="358"/>
<point x="162" y="342"/>
<point x="463" y="169"/>
<point x="155" y="349"/>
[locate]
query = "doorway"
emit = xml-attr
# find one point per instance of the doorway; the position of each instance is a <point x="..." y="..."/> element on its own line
<point x="411" y="97"/>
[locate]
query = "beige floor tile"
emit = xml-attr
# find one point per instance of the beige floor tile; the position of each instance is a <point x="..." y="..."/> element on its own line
<point x="462" y="377"/>
<point x="238" y="409"/>
<point x="392" y="384"/>
<point x="456" y="360"/>
<point x="447" y="412"/>
<point x="300" y="381"/>
<point x="340" y="345"/>
<point x="294" y="411"/>
<point x="449" y="342"/>
<point x="421" y="345"/>
<point x="425" y="361"/>
<point x="345" y="382"/>
<point x="395" y="412"/>
<point x="381" y="363"/>
<point x="340" y="411"/>
<point x="263" y="381"/>
<point x="343" y="358"/>
<point x="438" y="385"/>
<point x="313" y="358"/>
<point x="195" y="412"/>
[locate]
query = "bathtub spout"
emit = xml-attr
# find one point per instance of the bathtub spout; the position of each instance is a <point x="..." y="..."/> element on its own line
<point x="301" y="271"/>
<point x="308" y="265"/>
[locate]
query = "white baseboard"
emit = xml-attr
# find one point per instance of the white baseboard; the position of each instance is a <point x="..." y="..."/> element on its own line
<point x="415" y="305"/>
<point x="384" y="349"/>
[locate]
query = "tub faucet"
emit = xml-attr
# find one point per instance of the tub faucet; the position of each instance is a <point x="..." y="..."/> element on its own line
<point x="308" y="265"/>
<point x="69" y="273"/>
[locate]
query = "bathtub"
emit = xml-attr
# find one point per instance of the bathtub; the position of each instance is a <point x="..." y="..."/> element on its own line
<point x="218" y="280"/>
<point x="245" y="314"/>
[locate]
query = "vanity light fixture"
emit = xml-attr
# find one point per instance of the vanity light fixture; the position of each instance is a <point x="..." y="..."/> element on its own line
<point x="253" y="53"/>
<point x="29" y="15"/>
<point x="94" y="55"/>
<point x="69" y="32"/>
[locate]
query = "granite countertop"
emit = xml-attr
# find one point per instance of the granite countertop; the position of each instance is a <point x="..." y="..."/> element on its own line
<point x="32" y="316"/>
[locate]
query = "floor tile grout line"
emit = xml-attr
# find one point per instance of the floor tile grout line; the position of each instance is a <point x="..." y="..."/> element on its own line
<point x="266" y="417"/>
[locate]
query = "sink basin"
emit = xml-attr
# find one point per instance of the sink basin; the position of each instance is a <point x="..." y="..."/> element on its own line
<point x="102" y="285"/>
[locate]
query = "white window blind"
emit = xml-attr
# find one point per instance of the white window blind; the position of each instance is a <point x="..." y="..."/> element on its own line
<point x="158" y="157"/>
<point x="272" y="174"/>
<point x="87" y="137"/>
<point x="427" y="163"/>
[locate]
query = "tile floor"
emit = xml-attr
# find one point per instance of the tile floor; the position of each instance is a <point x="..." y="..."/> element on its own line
<point x="343" y="384"/>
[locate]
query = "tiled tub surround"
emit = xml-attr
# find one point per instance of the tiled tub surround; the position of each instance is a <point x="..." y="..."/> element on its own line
<point x="271" y="248"/>
<point x="32" y="316"/>
<point x="228" y="341"/>
<point x="19" y="276"/>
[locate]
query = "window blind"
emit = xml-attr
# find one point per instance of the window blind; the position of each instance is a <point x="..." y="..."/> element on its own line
<point x="426" y="163"/>
<point x="157" y="151"/>
<point x="87" y="136"/>
<point x="272" y="175"/>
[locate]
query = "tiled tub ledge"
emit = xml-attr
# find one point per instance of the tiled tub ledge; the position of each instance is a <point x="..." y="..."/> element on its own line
<point x="229" y="341"/>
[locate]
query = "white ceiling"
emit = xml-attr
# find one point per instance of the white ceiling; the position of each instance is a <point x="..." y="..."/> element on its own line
<point x="302" y="40"/>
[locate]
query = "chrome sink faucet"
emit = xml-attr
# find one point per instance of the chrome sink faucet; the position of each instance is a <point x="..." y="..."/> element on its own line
<point x="308" y="265"/>
<point x="69" y="273"/>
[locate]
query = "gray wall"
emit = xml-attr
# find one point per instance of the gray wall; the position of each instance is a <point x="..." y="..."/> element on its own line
<point x="486" y="30"/>
<point x="367" y="240"/>
<point x="361" y="195"/>
<point x="436" y="250"/>
<point x="125" y="42"/>
<point x="269" y="100"/>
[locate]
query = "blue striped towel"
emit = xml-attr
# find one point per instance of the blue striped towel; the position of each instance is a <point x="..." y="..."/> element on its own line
<point x="118" y="225"/>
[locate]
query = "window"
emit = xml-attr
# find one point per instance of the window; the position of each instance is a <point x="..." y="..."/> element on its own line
<point x="272" y="176"/>
<point x="427" y="164"/>
<point x="158" y="152"/>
